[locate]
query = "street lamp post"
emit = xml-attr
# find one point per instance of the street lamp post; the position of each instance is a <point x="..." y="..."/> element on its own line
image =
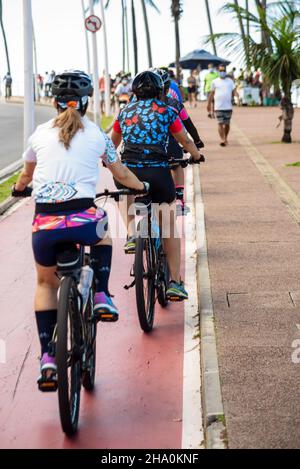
<point x="86" y="40"/>
<point x="107" y="79"/>
<point x="95" y="72"/>
<point x="28" y="72"/>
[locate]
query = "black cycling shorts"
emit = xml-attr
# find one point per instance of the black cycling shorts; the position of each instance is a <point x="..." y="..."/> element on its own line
<point x="162" y="188"/>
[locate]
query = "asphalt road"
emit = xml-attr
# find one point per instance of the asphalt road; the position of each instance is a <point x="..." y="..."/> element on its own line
<point x="11" y="129"/>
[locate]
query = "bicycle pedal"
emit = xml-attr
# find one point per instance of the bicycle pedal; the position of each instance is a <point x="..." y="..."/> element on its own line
<point x="129" y="251"/>
<point x="175" y="299"/>
<point x="47" y="385"/>
<point x="108" y="317"/>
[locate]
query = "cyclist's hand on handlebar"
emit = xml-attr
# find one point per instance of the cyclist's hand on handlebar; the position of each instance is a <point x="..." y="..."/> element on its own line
<point x="145" y="190"/>
<point x="199" y="160"/>
<point x="24" y="193"/>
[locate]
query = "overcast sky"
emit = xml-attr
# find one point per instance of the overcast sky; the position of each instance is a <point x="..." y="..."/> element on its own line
<point x="61" y="41"/>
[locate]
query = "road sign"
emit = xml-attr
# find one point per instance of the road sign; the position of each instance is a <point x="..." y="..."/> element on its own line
<point x="93" y="23"/>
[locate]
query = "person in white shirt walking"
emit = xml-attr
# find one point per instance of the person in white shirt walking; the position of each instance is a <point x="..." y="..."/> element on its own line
<point x="223" y="92"/>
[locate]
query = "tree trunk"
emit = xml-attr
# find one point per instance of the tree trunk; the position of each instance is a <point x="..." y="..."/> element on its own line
<point x="4" y="38"/>
<point x="287" y="115"/>
<point x="245" y="40"/>
<point x="135" y="44"/>
<point x="177" y="53"/>
<point x="265" y="37"/>
<point x="210" y="27"/>
<point x="126" y="36"/>
<point x="123" y="36"/>
<point x="147" y="33"/>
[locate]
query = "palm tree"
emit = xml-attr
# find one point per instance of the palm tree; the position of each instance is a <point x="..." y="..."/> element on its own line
<point x="124" y="27"/>
<point x="4" y="37"/>
<point x="243" y="35"/>
<point x="150" y="2"/>
<point x="281" y="67"/>
<point x="134" y="37"/>
<point x="210" y="27"/>
<point x="176" y="11"/>
<point x="265" y="37"/>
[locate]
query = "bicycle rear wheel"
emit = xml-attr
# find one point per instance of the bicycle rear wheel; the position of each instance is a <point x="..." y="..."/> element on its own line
<point x="144" y="271"/>
<point x="68" y="355"/>
<point x="88" y="375"/>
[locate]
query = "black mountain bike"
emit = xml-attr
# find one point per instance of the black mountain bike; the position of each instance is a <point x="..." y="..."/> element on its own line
<point x="151" y="272"/>
<point x="74" y="339"/>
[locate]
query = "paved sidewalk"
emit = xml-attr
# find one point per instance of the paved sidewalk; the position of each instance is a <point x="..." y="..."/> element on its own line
<point x="254" y="260"/>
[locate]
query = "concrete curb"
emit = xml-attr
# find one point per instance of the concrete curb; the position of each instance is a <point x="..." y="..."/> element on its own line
<point x="213" y="411"/>
<point x="8" y="203"/>
<point x="10" y="170"/>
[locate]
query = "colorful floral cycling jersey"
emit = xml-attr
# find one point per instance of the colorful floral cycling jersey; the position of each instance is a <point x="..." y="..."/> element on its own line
<point x="145" y="127"/>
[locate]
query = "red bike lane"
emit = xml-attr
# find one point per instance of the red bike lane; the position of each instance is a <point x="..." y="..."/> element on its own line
<point x="137" y="402"/>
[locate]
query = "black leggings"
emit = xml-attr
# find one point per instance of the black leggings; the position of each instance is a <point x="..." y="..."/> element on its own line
<point x="162" y="188"/>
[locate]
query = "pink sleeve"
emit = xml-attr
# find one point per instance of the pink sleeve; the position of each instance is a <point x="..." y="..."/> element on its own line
<point x="183" y="114"/>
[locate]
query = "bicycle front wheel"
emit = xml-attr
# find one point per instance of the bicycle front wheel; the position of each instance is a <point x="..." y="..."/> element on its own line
<point x="144" y="271"/>
<point x="68" y="355"/>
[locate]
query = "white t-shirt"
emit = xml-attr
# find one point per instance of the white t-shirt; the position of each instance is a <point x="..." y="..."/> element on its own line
<point x="61" y="175"/>
<point x="223" y="88"/>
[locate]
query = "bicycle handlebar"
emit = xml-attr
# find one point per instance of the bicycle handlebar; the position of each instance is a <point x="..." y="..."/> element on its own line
<point x="117" y="194"/>
<point x="186" y="161"/>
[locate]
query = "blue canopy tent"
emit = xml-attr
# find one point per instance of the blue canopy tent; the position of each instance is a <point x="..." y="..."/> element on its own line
<point x="199" y="57"/>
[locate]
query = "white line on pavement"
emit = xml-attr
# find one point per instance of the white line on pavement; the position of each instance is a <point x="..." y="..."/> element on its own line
<point x="192" y="431"/>
<point x="211" y="389"/>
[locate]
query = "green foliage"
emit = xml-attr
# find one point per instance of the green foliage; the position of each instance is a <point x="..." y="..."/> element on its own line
<point x="279" y="56"/>
<point x="5" y="187"/>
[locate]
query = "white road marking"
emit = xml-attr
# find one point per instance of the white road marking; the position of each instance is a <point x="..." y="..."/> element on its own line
<point x="192" y="430"/>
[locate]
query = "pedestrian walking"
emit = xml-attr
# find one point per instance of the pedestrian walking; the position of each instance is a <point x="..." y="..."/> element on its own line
<point x="208" y="79"/>
<point x="192" y="89"/>
<point x="223" y="92"/>
<point x="8" y="85"/>
<point x="48" y="82"/>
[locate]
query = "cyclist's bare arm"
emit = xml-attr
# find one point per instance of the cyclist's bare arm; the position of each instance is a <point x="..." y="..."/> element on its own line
<point x="25" y="177"/>
<point x="123" y="175"/>
<point x="187" y="143"/>
<point x="210" y="100"/>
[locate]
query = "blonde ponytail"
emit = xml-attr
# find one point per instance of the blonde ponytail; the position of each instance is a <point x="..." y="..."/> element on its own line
<point x="69" y="122"/>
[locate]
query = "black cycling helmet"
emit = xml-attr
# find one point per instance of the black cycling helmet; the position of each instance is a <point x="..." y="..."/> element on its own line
<point x="72" y="83"/>
<point x="164" y="74"/>
<point x="147" y="85"/>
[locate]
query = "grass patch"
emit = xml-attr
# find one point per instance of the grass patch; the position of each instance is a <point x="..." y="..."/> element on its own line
<point x="297" y="164"/>
<point x="5" y="187"/>
<point x="221" y="419"/>
<point x="106" y="121"/>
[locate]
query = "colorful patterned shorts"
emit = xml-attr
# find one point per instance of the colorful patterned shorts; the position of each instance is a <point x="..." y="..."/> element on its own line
<point x="50" y="230"/>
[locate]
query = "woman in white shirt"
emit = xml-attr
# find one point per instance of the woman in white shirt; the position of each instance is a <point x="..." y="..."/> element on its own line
<point x="62" y="161"/>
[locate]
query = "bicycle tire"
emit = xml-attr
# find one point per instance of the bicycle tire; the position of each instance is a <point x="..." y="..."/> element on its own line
<point x="88" y="375"/>
<point x="164" y="280"/>
<point x="68" y="322"/>
<point x="145" y="275"/>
